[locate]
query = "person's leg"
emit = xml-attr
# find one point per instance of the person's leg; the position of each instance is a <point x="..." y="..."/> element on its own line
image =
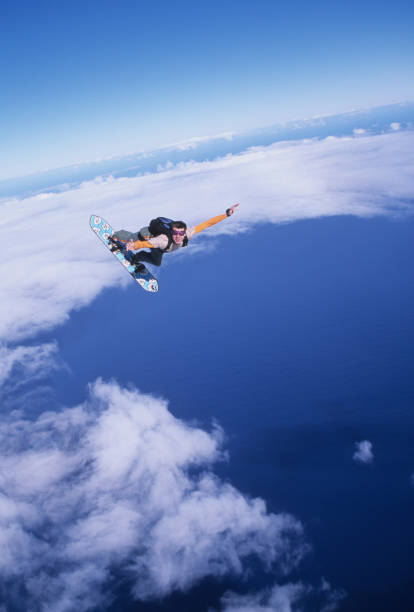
<point x="125" y="236"/>
<point x="153" y="257"/>
<point x="119" y="239"/>
<point x="156" y="257"/>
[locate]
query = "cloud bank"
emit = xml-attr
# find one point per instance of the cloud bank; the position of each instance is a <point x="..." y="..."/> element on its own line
<point x="117" y="488"/>
<point x="52" y="264"/>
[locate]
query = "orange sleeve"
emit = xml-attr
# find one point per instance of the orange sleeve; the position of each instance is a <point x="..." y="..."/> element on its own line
<point x="209" y="223"/>
<point x="143" y="244"/>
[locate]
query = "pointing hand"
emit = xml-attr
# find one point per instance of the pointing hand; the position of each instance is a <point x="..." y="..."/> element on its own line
<point x="231" y="210"/>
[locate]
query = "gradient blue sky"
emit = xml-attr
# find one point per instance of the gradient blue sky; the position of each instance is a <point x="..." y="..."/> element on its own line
<point x="85" y="80"/>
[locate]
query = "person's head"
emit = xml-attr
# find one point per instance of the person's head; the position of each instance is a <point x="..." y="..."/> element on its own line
<point x="178" y="229"/>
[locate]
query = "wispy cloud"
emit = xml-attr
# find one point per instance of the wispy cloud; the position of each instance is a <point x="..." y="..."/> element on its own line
<point x="57" y="265"/>
<point x="192" y="143"/>
<point x="289" y="597"/>
<point x="119" y="486"/>
<point x="28" y="363"/>
<point x="363" y="452"/>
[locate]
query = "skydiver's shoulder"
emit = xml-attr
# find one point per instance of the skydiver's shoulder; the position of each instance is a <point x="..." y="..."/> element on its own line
<point x="159" y="242"/>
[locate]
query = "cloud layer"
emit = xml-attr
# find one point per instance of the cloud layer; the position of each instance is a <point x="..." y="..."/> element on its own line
<point x="51" y="263"/>
<point x="118" y="486"/>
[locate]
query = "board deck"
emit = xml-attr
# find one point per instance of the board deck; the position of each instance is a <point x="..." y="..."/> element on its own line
<point x="104" y="230"/>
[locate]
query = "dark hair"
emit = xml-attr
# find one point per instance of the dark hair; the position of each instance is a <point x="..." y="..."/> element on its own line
<point x="178" y="225"/>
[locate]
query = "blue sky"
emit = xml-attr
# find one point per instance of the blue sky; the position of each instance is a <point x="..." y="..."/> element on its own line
<point x="85" y="80"/>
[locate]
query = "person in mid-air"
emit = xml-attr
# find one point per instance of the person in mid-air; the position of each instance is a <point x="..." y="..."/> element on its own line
<point x="169" y="237"/>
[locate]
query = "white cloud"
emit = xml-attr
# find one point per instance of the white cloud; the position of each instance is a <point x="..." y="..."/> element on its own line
<point x="192" y="143"/>
<point x="28" y="362"/>
<point x="363" y="452"/>
<point x="291" y="597"/>
<point x="359" y="131"/>
<point x="278" y="599"/>
<point x="54" y="264"/>
<point x="118" y="485"/>
<point x="395" y="126"/>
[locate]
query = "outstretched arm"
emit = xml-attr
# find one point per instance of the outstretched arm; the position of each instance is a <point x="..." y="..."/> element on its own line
<point x="146" y="244"/>
<point x="202" y="226"/>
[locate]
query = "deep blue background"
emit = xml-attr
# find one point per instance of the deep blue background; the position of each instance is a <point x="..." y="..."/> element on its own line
<point x="298" y="339"/>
